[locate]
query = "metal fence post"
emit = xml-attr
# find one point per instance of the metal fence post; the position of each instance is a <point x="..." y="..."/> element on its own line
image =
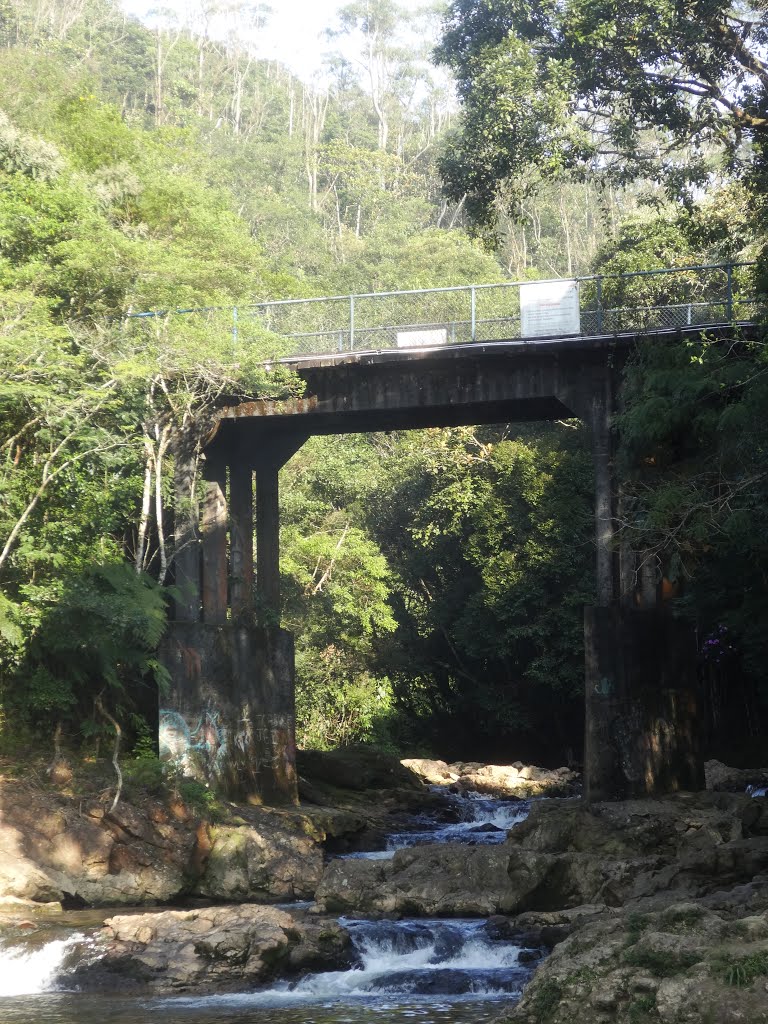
<point x="599" y="298"/>
<point x="729" y="293"/>
<point x="473" y="302"/>
<point x="351" y="322"/>
<point x="234" y="327"/>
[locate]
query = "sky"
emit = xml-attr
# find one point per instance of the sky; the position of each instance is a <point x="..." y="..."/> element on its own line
<point x="293" y="34"/>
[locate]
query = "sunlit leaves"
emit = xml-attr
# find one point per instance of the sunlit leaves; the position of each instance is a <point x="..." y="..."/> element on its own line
<point x="653" y="88"/>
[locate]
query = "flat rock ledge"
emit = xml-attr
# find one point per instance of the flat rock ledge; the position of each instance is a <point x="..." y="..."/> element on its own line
<point x="566" y="855"/>
<point x="516" y="780"/>
<point x="215" y="949"/>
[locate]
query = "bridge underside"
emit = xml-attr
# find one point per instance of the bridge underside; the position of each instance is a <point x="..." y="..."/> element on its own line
<point x="294" y="418"/>
<point x="497" y="382"/>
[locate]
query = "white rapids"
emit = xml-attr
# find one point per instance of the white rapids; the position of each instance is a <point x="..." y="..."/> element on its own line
<point x="28" y="971"/>
<point x="413" y="959"/>
<point x="481" y="820"/>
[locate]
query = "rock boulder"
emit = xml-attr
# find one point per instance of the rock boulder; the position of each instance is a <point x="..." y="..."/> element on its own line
<point x="245" y="863"/>
<point x="693" y="961"/>
<point x="719" y="776"/>
<point x="56" y="847"/>
<point x="515" y="780"/>
<point x="213" y="948"/>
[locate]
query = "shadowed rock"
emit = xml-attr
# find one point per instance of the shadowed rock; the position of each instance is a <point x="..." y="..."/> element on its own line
<point x="566" y="854"/>
<point x="216" y="948"/>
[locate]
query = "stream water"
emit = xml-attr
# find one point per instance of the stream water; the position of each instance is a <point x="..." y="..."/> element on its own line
<point x="476" y="820"/>
<point x="403" y="972"/>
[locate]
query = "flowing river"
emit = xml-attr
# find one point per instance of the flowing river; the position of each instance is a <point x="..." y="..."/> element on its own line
<point x="403" y="972"/>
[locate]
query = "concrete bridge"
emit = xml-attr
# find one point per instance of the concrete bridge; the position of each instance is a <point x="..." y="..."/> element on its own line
<point x="229" y="718"/>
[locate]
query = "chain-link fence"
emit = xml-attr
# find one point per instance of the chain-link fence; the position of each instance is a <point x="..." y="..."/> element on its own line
<point x="673" y="298"/>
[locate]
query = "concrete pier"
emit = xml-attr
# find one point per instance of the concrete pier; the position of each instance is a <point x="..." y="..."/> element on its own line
<point x="228" y="719"/>
<point x="641" y="723"/>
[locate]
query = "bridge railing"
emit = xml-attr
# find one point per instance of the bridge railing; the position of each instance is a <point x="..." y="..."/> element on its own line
<point x="669" y="298"/>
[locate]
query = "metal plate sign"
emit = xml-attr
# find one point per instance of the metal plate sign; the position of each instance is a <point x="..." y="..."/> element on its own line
<point x="549" y="309"/>
<point x="438" y="336"/>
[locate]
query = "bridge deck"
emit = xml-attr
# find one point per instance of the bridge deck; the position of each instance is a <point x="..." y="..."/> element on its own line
<point x="502" y="381"/>
<point x="511" y="346"/>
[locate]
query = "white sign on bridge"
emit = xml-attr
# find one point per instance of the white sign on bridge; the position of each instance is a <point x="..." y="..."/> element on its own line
<point x="438" y="336"/>
<point x="549" y="309"/>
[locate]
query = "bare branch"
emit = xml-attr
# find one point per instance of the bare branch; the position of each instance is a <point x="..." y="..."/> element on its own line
<point x="327" y="574"/>
<point x="99" y="704"/>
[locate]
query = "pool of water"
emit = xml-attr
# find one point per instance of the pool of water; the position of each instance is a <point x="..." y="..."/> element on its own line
<point x="64" y="1008"/>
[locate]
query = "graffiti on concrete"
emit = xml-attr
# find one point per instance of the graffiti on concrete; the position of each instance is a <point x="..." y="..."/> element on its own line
<point x="272" y="739"/>
<point x="208" y="746"/>
<point x="606" y="687"/>
<point x="199" y="749"/>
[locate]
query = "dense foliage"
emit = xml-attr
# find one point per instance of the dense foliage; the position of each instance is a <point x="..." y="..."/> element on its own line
<point x="444" y="572"/>
<point x="665" y="89"/>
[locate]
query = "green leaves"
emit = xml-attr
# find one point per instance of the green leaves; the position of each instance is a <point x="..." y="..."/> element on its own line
<point x="83" y="237"/>
<point x="103" y="631"/>
<point x="652" y="89"/>
<point x="27" y="154"/>
<point x="11" y="632"/>
<point x="435" y="582"/>
<point x="491" y="571"/>
<point x="94" y="132"/>
<point x="337" y="587"/>
<point x="516" y="97"/>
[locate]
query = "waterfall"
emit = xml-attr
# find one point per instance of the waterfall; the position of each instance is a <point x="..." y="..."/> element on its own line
<point x="481" y="820"/>
<point x="410" y="959"/>
<point x="28" y="971"/>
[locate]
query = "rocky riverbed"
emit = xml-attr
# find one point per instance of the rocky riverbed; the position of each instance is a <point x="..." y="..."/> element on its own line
<point x="60" y="844"/>
<point x="655" y="910"/>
